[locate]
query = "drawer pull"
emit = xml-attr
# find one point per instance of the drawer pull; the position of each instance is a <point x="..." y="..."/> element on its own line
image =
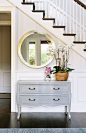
<point x="31" y="89"/>
<point x="56" y="99"/>
<point x="31" y="99"/>
<point x="56" y="89"/>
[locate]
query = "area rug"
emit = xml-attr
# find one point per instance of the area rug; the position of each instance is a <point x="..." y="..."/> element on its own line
<point x="44" y="130"/>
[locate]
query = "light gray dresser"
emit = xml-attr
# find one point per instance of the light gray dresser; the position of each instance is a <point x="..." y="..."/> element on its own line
<point x="39" y="93"/>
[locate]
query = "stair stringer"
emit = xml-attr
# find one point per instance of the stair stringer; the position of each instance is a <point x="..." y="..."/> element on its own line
<point x="48" y="25"/>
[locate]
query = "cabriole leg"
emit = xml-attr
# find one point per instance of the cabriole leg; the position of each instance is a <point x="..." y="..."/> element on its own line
<point x="69" y="108"/>
<point x="19" y="111"/>
<point x="66" y="110"/>
<point x="69" y="115"/>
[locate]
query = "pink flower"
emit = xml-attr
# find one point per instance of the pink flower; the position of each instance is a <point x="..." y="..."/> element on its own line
<point x="48" y="70"/>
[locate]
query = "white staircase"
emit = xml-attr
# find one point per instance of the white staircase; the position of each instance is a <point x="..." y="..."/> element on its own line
<point x="66" y="22"/>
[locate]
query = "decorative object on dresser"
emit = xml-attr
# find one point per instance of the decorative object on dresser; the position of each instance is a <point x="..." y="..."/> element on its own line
<point x="47" y="73"/>
<point x="61" y="69"/>
<point x="61" y="76"/>
<point x="39" y="93"/>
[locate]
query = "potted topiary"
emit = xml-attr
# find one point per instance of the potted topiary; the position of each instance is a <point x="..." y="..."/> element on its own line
<point x="61" y="69"/>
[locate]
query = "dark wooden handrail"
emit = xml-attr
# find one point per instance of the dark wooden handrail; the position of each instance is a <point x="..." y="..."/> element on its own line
<point x="81" y="3"/>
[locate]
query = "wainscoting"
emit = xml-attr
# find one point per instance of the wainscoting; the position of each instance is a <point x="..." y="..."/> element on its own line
<point x="5" y="81"/>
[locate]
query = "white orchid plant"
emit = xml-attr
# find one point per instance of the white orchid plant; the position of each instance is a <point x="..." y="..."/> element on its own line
<point x="62" y="57"/>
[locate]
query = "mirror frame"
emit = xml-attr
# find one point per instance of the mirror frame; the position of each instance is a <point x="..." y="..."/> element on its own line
<point x="19" y="49"/>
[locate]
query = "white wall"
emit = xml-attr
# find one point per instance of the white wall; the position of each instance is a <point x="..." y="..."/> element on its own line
<point x="78" y="77"/>
<point x="4" y="3"/>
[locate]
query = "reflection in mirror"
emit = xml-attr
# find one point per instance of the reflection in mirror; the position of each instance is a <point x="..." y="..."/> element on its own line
<point x="34" y="50"/>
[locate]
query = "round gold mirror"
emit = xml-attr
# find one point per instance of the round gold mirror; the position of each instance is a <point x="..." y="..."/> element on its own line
<point x="33" y="49"/>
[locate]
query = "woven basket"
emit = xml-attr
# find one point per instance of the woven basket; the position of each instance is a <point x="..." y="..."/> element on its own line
<point x="61" y="76"/>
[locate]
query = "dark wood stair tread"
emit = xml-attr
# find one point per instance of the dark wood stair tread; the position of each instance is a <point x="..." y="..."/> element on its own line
<point x="69" y="34"/>
<point x="79" y="42"/>
<point x="27" y="3"/>
<point x="48" y="18"/>
<point x="38" y="11"/>
<point x="59" y="26"/>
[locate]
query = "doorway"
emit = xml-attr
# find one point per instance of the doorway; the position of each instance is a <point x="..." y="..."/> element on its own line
<point x="5" y="55"/>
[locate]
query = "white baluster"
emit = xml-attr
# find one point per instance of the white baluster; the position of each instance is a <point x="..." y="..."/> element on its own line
<point x="66" y="16"/>
<point x="83" y="24"/>
<point x="44" y="4"/>
<point x="59" y="13"/>
<point x="36" y="5"/>
<point x="76" y="22"/>
<point x="73" y="17"/>
<point x="39" y="4"/>
<point x="49" y="8"/>
<point x="52" y="8"/>
<point x="80" y="23"/>
<point x="70" y="17"/>
<point x="63" y="13"/>
<point x="46" y="8"/>
<point x="56" y="14"/>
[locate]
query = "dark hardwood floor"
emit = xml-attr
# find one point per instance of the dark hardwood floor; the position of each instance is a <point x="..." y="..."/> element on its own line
<point x="38" y="120"/>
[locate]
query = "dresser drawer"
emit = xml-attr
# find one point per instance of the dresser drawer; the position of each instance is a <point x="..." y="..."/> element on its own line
<point x="42" y="89"/>
<point x="39" y="100"/>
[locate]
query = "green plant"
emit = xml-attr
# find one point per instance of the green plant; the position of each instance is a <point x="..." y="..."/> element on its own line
<point x="32" y="61"/>
<point x="57" y="69"/>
